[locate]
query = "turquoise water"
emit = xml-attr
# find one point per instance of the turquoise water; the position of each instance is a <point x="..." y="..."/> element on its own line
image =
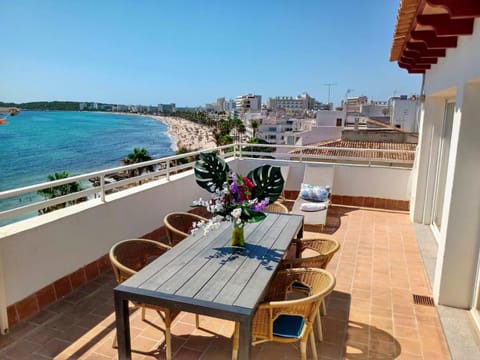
<point x="34" y="144"/>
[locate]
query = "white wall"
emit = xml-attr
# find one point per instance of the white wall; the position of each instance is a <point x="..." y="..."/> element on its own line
<point x="455" y="77"/>
<point x="352" y="180"/>
<point x="319" y="134"/>
<point x="38" y="251"/>
<point x="404" y="114"/>
<point x="329" y="118"/>
<point x="460" y="65"/>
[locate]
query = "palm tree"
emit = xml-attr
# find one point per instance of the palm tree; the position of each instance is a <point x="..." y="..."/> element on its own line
<point x="185" y="150"/>
<point x="241" y="130"/>
<point x="254" y="124"/>
<point x="137" y="156"/>
<point x="60" y="190"/>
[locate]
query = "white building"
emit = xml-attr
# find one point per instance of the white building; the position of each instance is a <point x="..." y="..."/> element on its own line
<point x="445" y="184"/>
<point x="330" y="118"/>
<point x="374" y="109"/>
<point x="302" y="102"/>
<point x="167" y="108"/>
<point x="248" y="102"/>
<point x="354" y="103"/>
<point x="276" y="131"/>
<point x="403" y="113"/>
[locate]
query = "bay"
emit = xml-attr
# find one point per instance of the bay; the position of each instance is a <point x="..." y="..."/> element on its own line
<point x="35" y="144"/>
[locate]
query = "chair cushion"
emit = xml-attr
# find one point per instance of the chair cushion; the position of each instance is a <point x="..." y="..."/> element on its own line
<point x="314" y="192"/>
<point x="288" y="326"/>
<point x="297" y="285"/>
<point x="313" y="206"/>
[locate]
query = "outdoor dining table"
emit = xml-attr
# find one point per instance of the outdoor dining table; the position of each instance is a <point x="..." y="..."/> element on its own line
<point x="204" y="274"/>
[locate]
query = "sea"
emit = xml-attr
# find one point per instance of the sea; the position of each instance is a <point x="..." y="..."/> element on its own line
<point x="35" y="144"/>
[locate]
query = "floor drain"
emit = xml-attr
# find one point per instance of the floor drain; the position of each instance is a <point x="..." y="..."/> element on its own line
<point x="423" y="300"/>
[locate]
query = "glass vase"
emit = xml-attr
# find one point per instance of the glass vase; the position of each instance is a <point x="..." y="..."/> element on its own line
<point x="238" y="238"/>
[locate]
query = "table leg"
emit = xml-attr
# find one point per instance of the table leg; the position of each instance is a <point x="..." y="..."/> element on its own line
<point x="123" y="327"/>
<point x="245" y="339"/>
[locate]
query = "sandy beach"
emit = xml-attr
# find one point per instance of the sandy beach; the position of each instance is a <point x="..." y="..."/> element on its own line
<point x="187" y="133"/>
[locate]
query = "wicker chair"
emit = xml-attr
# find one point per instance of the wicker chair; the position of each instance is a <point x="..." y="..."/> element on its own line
<point x="179" y="224"/>
<point x="289" y="321"/>
<point x="128" y="257"/>
<point x="315" y="253"/>
<point x="277" y="207"/>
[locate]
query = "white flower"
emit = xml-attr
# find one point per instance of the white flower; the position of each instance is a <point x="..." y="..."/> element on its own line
<point x="236" y="213"/>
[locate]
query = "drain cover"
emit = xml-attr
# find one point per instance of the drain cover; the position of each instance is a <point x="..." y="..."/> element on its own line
<point x="423" y="300"/>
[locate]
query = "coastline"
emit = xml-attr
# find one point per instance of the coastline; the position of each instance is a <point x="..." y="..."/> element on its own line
<point x="185" y="133"/>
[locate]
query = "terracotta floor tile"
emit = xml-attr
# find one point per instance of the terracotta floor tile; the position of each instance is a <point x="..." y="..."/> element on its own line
<point x="370" y="315"/>
<point x="53" y="347"/>
<point x="410" y="346"/>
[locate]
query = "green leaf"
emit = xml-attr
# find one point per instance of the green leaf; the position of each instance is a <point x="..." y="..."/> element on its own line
<point x="252" y="216"/>
<point x="211" y="172"/>
<point x="268" y="182"/>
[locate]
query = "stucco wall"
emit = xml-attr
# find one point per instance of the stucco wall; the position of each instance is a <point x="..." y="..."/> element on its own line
<point x="38" y="251"/>
<point x="352" y="180"/>
<point x="460" y="65"/>
<point x="455" y="78"/>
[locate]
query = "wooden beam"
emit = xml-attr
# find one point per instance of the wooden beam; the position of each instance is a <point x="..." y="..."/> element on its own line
<point x="433" y="41"/>
<point x="412" y="53"/>
<point x="459" y="8"/>
<point x="444" y="25"/>
<point x="422" y="48"/>
<point x="420" y="60"/>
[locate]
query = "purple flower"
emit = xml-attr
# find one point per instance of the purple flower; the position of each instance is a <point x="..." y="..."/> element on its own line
<point x="234" y="186"/>
<point x="261" y="205"/>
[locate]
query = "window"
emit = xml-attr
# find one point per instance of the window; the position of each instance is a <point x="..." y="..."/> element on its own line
<point x="339" y="121"/>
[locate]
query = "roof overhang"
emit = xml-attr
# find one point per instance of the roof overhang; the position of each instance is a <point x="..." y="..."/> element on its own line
<point x="426" y="28"/>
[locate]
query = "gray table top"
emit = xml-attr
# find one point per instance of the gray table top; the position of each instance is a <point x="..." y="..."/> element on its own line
<point x="204" y="274"/>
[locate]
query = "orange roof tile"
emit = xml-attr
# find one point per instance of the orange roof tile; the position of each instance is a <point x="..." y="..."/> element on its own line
<point x="362" y="150"/>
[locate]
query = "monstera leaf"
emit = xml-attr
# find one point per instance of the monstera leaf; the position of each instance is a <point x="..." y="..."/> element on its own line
<point x="268" y="182"/>
<point x="211" y="172"/>
<point x="252" y="216"/>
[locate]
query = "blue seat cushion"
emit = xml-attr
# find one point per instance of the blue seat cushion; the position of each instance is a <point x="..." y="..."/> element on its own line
<point x="297" y="285"/>
<point x="288" y="326"/>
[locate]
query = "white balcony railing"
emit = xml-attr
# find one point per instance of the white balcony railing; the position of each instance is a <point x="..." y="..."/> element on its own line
<point x="166" y="166"/>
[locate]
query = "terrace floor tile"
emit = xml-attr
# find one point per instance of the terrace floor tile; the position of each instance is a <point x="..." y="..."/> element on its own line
<point x="370" y="314"/>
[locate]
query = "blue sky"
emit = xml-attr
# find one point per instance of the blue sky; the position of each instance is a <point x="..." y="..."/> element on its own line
<point x="193" y="51"/>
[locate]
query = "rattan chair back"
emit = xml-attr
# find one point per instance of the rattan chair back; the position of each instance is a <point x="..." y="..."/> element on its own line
<point x="276" y="207"/>
<point x="129" y="256"/>
<point x="178" y="225"/>
<point x="323" y="248"/>
<point x="320" y="282"/>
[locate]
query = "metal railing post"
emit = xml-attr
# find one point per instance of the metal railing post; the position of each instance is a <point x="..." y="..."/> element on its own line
<point x="168" y="170"/>
<point x="102" y="188"/>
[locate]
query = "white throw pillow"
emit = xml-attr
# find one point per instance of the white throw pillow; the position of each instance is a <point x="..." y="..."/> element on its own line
<point x="313" y="206"/>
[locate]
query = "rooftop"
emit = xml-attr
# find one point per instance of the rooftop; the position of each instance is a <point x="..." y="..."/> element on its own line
<point x="370" y="314"/>
<point x="362" y="150"/>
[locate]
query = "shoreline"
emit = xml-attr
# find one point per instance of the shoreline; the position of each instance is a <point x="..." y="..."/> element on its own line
<point x="186" y="133"/>
<point x="182" y="132"/>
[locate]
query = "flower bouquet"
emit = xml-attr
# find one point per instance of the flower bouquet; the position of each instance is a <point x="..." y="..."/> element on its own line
<point x="235" y="198"/>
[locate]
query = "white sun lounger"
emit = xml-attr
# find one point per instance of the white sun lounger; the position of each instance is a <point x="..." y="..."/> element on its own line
<point x="315" y="175"/>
